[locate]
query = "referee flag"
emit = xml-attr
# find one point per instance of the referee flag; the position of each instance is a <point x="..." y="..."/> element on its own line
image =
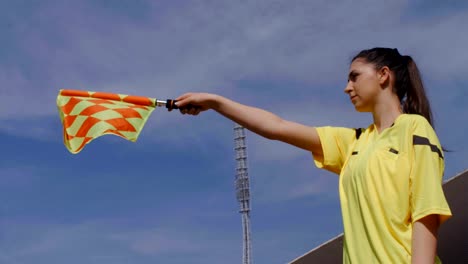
<point x="87" y="115"/>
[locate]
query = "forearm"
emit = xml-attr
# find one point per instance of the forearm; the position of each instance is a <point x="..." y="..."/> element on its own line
<point x="424" y="242"/>
<point x="254" y="119"/>
<point x="257" y="120"/>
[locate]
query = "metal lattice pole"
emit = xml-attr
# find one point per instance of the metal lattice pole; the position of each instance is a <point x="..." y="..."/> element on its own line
<point x="243" y="191"/>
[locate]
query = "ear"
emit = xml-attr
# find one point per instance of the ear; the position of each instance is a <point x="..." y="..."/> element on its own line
<point x="384" y="75"/>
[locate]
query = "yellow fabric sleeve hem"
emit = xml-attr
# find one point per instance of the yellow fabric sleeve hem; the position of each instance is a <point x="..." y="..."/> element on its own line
<point x="443" y="214"/>
<point x="320" y="161"/>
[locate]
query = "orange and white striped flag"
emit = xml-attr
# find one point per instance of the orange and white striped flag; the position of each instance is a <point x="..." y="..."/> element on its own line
<point x="87" y="115"/>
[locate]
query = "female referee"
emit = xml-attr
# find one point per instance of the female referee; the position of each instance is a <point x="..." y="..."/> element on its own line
<point x="390" y="173"/>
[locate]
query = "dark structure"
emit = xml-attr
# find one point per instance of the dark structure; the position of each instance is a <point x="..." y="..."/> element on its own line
<point x="453" y="234"/>
<point x="243" y="191"/>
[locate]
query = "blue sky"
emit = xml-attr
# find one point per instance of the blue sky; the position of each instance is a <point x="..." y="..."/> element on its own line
<point x="169" y="197"/>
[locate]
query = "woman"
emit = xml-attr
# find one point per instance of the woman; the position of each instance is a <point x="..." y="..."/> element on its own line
<point x="391" y="196"/>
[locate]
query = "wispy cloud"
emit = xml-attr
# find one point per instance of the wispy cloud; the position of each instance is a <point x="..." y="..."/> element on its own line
<point x="208" y="47"/>
<point x="165" y="241"/>
<point x="92" y="242"/>
<point x="282" y="185"/>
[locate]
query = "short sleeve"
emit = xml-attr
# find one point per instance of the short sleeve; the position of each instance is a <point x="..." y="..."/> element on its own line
<point x="427" y="169"/>
<point x="336" y="143"/>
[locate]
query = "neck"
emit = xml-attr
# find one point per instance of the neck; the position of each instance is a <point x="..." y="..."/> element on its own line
<point x="385" y="113"/>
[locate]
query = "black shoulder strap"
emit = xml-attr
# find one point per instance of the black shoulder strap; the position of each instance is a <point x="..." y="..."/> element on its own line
<point x="417" y="140"/>
<point x="358" y="132"/>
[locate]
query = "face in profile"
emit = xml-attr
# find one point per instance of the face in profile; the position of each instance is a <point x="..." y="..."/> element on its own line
<point x="363" y="85"/>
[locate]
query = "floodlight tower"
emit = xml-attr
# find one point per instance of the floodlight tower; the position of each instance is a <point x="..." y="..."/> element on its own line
<point x="243" y="190"/>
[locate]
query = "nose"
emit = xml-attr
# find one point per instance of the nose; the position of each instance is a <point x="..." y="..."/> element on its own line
<point x="348" y="88"/>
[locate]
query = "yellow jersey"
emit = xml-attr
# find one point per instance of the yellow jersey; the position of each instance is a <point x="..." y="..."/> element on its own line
<point x="387" y="181"/>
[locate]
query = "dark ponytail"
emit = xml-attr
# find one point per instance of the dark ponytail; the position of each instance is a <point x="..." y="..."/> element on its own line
<point x="416" y="101"/>
<point x="408" y="83"/>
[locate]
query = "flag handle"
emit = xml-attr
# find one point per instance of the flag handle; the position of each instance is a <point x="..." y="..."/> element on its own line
<point x="170" y="104"/>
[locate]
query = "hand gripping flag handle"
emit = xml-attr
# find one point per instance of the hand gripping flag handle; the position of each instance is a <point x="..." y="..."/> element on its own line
<point x="170" y="104"/>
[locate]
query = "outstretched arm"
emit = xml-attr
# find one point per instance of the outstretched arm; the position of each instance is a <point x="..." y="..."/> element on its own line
<point x="257" y="120"/>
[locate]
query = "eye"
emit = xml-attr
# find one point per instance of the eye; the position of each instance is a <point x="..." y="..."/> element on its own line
<point x="352" y="76"/>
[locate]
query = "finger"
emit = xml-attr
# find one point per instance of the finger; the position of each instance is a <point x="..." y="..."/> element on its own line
<point x="184" y="96"/>
<point x="192" y="111"/>
<point x="182" y="103"/>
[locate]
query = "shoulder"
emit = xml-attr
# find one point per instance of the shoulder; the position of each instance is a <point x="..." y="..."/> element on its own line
<point x="340" y="135"/>
<point x="330" y="130"/>
<point x="417" y="124"/>
<point x="417" y="128"/>
<point x="423" y="134"/>
<point x="415" y="120"/>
